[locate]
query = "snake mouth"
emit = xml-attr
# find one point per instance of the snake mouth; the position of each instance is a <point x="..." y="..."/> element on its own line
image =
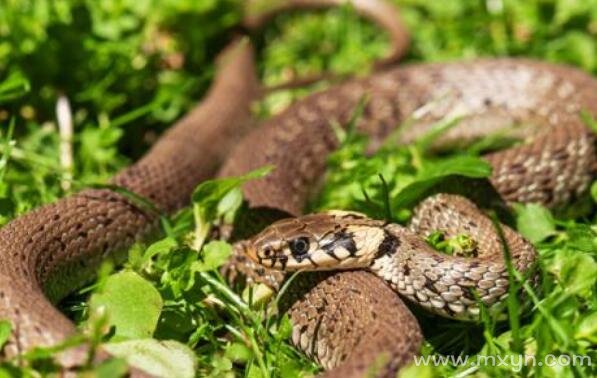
<point x="272" y="262"/>
<point x="288" y="263"/>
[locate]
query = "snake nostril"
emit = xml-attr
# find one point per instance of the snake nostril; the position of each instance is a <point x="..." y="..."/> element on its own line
<point x="267" y="252"/>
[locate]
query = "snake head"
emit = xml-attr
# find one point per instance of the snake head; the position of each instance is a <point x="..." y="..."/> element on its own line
<point x="325" y="241"/>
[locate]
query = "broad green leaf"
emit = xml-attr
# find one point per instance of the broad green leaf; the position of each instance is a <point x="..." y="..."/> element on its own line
<point x="582" y="237"/>
<point x="221" y="365"/>
<point x="574" y="47"/>
<point x="594" y="191"/>
<point x="132" y="304"/>
<point x="238" y="352"/>
<point x="228" y="205"/>
<point x="209" y="193"/>
<point x="15" y="86"/>
<point x="159" y="358"/>
<point x="208" y="197"/>
<point x="587" y="329"/>
<point x="567" y="9"/>
<point x="5" y="330"/>
<point x="161" y="246"/>
<point x="432" y="175"/>
<point x="468" y="166"/>
<point x="534" y="222"/>
<point x="111" y="368"/>
<point x="214" y="254"/>
<point x="579" y="274"/>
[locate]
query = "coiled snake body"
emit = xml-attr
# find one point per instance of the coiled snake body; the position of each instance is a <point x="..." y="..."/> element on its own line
<point x="556" y="163"/>
<point x="344" y="320"/>
<point x="441" y="284"/>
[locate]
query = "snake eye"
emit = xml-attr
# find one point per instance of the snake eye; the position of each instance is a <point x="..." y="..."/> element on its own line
<point x="299" y="246"/>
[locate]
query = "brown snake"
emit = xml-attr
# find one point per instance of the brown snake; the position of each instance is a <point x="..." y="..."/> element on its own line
<point x="343" y="320"/>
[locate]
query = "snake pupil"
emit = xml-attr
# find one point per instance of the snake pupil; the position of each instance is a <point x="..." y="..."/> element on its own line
<point x="299" y="246"/>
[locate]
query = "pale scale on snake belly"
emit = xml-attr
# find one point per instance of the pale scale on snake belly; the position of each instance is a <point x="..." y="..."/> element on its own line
<point x="345" y="320"/>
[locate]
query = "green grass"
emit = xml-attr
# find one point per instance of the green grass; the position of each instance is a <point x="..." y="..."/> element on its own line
<point x="129" y="68"/>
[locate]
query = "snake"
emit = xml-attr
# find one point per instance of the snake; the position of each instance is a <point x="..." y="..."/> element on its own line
<point x="443" y="284"/>
<point x="346" y="320"/>
<point x="554" y="164"/>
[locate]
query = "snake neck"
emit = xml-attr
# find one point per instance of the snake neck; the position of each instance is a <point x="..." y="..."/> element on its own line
<point x="446" y="285"/>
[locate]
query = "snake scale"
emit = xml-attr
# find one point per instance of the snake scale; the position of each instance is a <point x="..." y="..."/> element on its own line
<point x="344" y="320"/>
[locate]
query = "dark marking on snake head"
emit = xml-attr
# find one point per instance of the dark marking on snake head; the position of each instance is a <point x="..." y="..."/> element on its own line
<point x="283" y="261"/>
<point x="330" y="252"/>
<point x="388" y="245"/>
<point x="345" y="240"/>
<point x="341" y="239"/>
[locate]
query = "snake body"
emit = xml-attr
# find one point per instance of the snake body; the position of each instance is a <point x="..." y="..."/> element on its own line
<point x="555" y="163"/>
<point x="48" y="252"/>
<point x="344" y="320"/>
<point x="445" y="285"/>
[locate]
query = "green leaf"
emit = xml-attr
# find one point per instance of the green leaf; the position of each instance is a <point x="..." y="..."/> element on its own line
<point x="162" y="246"/>
<point x="238" y="352"/>
<point x="418" y="371"/>
<point x="15" y="86"/>
<point x="213" y="196"/>
<point x="221" y="364"/>
<point x="578" y="274"/>
<point x="467" y="166"/>
<point x="254" y="372"/>
<point x="567" y="9"/>
<point x="209" y="193"/>
<point x="111" y="368"/>
<point x="159" y="358"/>
<point x="5" y="373"/>
<point x="284" y="330"/>
<point x="594" y="191"/>
<point x="132" y="304"/>
<point x="587" y="329"/>
<point x="214" y="254"/>
<point x="5" y="330"/>
<point x="534" y="222"/>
